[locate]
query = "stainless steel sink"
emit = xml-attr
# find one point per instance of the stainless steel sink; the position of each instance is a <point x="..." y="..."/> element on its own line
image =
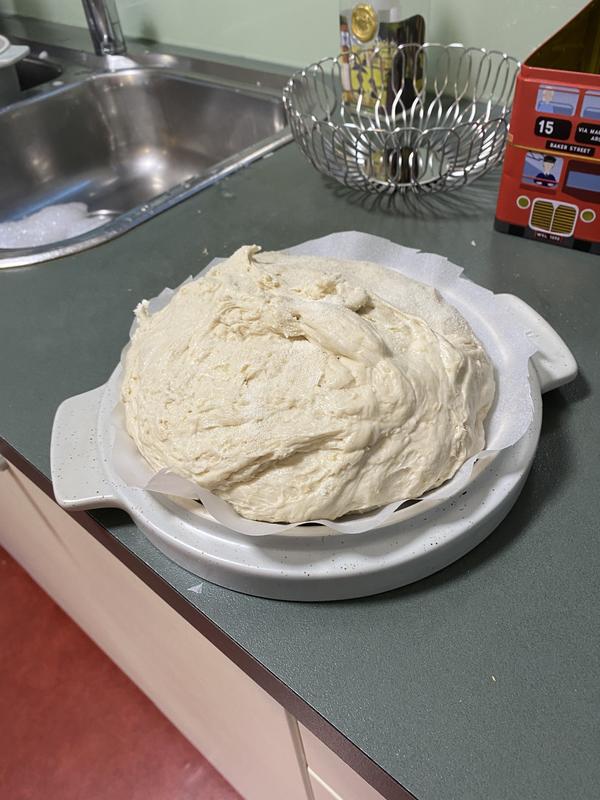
<point x="129" y="144"/>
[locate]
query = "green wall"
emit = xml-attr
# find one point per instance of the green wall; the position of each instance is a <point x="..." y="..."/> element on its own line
<point x="297" y="32"/>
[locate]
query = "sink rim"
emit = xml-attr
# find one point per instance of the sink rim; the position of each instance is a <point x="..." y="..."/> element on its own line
<point x="126" y="221"/>
<point x="64" y="83"/>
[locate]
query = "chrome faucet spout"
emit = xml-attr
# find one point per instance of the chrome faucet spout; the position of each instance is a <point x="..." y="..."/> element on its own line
<point x="105" y="27"/>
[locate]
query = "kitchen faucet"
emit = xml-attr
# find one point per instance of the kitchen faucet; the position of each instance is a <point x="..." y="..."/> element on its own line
<point x="105" y="27"/>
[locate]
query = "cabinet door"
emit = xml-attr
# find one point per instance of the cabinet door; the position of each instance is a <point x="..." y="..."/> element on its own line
<point x="331" y="778"/>
<point x="246" y="734"/>
<point x="320" y="789"/>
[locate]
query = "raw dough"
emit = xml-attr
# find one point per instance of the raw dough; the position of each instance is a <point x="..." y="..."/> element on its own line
<point x="300" y="388"/>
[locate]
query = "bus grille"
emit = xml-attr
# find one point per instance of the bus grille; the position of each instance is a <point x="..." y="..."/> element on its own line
<point x="554" y="217"/>
<point x="564" y="220"/>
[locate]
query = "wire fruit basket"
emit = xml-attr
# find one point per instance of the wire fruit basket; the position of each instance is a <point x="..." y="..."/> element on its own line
<point x="407" y="118"/>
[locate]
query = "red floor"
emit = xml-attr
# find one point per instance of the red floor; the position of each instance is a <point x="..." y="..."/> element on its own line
<point x="72" y="725"/>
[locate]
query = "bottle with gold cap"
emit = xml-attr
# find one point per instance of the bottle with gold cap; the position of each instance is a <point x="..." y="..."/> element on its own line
<point x="369" y="34"/>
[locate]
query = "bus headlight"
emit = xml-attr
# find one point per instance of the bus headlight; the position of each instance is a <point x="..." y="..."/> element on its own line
<point x="523" y="201"/>
<point x="587" y="215"/>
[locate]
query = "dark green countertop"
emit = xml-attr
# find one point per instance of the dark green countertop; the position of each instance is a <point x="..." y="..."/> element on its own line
<point x="479" y="682"/>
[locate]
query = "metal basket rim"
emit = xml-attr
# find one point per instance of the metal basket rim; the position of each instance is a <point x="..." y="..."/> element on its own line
<point x="302" y="71"/>
<point x="305" y="124"/>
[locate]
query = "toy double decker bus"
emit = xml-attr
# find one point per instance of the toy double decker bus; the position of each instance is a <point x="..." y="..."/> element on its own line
<point x="550" y="188"/>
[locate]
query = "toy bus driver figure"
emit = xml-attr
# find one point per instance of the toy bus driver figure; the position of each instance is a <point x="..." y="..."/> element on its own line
<point x="546" y="177"/>
<point x="546" y="104"/>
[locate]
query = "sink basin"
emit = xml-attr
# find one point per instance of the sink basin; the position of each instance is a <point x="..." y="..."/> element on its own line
<point x="128" y="144"/>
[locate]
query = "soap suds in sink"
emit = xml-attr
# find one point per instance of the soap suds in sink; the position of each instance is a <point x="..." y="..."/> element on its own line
<point x="49" y="225"/>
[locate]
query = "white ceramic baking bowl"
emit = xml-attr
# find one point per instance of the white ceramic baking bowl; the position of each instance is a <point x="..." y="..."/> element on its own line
<point x="310" y="562"/>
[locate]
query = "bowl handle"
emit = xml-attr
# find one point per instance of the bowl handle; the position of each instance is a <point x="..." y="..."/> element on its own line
<point x="553" y="362"/>
<point x="78" y="477"/>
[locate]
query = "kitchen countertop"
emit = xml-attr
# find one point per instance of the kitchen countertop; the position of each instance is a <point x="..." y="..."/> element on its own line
<point x="478" y="682"/>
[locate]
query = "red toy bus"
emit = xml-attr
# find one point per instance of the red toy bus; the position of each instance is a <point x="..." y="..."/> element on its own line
<point x="550" y="188"/>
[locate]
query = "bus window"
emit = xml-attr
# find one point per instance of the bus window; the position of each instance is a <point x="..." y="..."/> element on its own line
<point x="591" y="106"/>
<point x="583" y="181"/>
<point x="552" y="100"/>
<point x="542" y="170"/>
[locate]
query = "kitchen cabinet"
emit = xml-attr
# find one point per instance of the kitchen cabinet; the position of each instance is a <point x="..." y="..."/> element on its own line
<point x="246" y="734"/>
<point x="250" y="738"/>
<point x="330" y="777"/>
